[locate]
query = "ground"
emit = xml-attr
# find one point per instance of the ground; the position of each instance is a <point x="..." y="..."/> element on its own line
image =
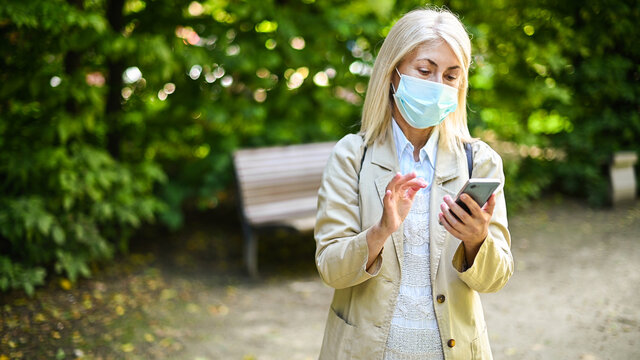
<point x="574" y="295"/>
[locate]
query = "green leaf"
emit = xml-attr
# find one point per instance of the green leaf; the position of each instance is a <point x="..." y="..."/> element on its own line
<point x="58" y="235"/>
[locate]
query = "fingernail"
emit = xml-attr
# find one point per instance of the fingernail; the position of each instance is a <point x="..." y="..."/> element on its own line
<point x="463" y="196"/>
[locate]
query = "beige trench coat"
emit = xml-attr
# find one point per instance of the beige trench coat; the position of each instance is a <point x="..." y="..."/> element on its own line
<point x="350" y="202"/>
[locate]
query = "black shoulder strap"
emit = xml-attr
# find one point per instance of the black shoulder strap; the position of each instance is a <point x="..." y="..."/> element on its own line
<point x="467" y="149"/>
<point x="364" y="152"/>
<point x="362" y="160"/>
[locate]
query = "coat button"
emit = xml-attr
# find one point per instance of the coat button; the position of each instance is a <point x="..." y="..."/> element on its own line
<point x="440" y="298"/>
<point x="451" y="343"/>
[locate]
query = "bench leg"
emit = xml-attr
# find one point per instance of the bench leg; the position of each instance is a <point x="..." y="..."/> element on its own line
<point x="250" y="251"/>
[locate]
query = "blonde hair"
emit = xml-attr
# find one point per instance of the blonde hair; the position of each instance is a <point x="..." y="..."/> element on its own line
<point x="418" y="27"/>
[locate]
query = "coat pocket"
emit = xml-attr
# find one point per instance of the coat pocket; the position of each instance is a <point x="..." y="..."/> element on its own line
<point x="480" y="347"/>
<point x="338" y="336"/>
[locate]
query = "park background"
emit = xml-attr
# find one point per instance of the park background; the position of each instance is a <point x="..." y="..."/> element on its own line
<point x="118" y="120"/>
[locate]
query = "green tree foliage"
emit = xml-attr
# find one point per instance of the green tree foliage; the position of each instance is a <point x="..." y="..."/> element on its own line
<point x="117" y="112"/>
<point x="561" y="80"/>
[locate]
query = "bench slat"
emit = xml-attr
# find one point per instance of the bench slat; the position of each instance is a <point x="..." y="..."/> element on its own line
<point x="275" y="183"/>
<point x="278" y="151"/>
<point x="274" y="211"/>
<point x="283" y="169"/>
<point x="248" y="161"/>
<point x="278" y="194"/>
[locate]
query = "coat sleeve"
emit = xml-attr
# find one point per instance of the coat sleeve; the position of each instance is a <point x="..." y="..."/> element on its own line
<point x="493" y="265"/>
<point x="341" y="245"/>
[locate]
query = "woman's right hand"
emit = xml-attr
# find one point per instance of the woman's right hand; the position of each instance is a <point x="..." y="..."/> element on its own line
<point x="397" y="202"/>
<point x="398" y="199"/>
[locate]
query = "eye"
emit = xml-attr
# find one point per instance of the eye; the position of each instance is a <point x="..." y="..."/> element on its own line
<point x="424" y="71"/>
<point x="451" y="77"/>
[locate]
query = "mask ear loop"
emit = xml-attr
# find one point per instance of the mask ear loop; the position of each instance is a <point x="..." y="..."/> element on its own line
<point x="392" y="94"/>
<point x="399" y="75"/>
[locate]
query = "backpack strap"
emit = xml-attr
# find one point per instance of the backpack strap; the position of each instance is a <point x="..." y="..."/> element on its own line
<point x="468" y="151"/>
<point x="362" y="160"/>
<point x="364" y="152"/>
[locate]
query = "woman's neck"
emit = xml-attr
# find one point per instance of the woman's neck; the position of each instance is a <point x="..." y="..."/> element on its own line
<point x="417" y="137"/>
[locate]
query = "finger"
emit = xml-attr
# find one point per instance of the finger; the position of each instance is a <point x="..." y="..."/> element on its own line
<point x="460" y="212"/>
<point x="471" y="204"/>
<point x="388" y="196"/>
<point x="394" y="181"/>
<point x="416" y="182"/>
<point x="448" y="215"/>
<point x="398" y="180"/>
<point x="411" y="192"/>
<point x="404" y="179"/>
<point x="490" y="205"/>
<point x="443" y="221"/>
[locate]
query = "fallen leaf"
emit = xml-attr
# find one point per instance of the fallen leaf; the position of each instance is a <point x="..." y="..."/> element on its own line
<point x="149" y="338"/>
<point x="55" y="335"/>
<point x="87" y="303"/>
<point x="118" y="298"/>
<point x="65" y="284"/>
<point x="166" y="342"/>
<point x="128" y="347"/>
<point x="168" y="294"/>
<point x="193" y="308"/>
<point x="120" y="310"/>
<point x="223" y="310"/>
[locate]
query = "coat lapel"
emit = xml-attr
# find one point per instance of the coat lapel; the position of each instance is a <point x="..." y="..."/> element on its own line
<point x="446" y="182"/>
<point x="385" y="156"/>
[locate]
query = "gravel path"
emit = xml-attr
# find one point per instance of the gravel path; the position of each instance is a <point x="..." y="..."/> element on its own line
<point x="574" y="295"/>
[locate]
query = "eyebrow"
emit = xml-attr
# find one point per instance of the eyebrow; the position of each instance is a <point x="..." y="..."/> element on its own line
<point x="436" y="65"/>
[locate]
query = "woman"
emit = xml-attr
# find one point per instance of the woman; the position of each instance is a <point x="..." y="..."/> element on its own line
<point x="386" y="239"/>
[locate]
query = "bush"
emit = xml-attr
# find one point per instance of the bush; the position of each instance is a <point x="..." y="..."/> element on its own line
<point x="117" y="112"/>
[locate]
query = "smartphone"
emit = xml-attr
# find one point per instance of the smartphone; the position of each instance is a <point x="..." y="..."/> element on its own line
<point x="479" y="189"/>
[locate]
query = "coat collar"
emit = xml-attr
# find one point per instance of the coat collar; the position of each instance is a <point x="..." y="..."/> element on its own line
<point x="447" y="167"/>
<point x="384" y="152"/>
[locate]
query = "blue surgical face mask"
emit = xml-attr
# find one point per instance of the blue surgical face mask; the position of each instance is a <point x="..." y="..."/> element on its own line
<point x="424" y="103"/>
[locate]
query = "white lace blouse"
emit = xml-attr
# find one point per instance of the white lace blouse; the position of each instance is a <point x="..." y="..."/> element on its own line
<point x="414" y="332"/>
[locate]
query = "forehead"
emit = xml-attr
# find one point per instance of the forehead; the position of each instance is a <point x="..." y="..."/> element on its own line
<point x="439" y="53"/>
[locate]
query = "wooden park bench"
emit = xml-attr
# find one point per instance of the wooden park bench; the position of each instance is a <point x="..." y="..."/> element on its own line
<point x="278" y="186"/>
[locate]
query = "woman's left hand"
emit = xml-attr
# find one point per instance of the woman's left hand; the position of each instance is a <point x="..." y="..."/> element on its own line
<point x="472" y="229"/>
